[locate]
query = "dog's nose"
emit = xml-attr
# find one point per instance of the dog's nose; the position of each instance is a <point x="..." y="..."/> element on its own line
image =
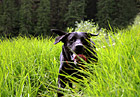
<point x="79" y="47"/>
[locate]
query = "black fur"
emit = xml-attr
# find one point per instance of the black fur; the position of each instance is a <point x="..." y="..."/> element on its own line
<point x="74" y="43"/>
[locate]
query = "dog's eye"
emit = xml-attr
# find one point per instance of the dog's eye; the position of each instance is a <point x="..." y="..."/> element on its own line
<point x="84" y="40"/>
<point x="72" y="40"/>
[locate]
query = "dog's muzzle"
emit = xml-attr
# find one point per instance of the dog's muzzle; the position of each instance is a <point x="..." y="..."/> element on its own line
<point x="78" y="58"/>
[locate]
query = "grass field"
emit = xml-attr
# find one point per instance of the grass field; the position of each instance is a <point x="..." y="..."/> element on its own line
<point x="29" y="67"/>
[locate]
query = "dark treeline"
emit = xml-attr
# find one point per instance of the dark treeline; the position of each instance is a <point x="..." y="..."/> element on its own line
<point x="37" y="17"/>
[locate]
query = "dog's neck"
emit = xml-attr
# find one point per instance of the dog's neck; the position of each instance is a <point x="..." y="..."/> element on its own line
<point x="66" y="53"/>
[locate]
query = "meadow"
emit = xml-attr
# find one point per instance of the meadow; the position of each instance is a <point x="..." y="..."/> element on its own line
<point x="29" y="67"/>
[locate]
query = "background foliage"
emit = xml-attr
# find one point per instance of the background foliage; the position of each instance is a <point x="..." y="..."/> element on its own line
<point x="117" y="13"/>
<point x="36" y="17"/>
<point x="30" y="66"/>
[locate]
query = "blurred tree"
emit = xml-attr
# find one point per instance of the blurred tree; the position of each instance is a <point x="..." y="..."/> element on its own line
<point x="36" y="17"/>
<point x="117" y="13"/>
<point x="91" y="9"/>
<point x="63" y="9"/>
<point x="43" y="18"/>
<point x="8" y="17"/>
<point x="64" y="13"/>
<point x="54" y="11"/>
<point x="25" y="13"/>
<point x="76" y="12"/>
<point x="1" y="15"/>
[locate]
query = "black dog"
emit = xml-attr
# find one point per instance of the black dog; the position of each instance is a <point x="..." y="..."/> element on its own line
<point x="76" y="44"/>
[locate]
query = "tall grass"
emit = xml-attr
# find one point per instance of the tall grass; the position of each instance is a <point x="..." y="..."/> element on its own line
<point x="29" y="67"/>
<point x="118" y="71"/>
<point x="27" y="64"/>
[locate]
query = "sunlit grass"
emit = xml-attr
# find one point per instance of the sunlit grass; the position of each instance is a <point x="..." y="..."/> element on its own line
<point x="29" y="67"/>
<point x="26" y="64"/>
<point x="118" y="71"/>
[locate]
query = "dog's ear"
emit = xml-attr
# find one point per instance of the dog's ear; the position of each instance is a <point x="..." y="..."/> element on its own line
<point x="59" y="38"/>
<point x="59" y="32"/>
<point x="90" y="34"/>
<point x="62" y="35"/>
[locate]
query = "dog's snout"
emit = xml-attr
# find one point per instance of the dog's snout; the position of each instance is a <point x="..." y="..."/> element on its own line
<point x="79" y="47"/>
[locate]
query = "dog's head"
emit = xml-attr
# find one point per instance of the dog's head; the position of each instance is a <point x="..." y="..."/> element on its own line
<point x="76" y="42"/>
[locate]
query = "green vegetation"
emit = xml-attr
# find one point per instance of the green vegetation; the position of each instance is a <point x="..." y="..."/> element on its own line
<point x="29" y="66"/>
<point x="117" y="13"/>
<point x="25" y="64"/>
<point x="37" y="17"/>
